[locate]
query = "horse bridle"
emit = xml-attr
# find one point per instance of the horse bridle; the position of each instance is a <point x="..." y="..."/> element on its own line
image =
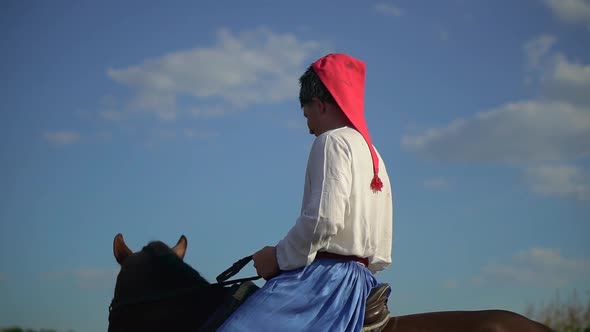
<point x="222" y="280"/>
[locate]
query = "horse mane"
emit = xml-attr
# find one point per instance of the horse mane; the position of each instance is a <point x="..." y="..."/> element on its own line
<point x="165" y="257"/>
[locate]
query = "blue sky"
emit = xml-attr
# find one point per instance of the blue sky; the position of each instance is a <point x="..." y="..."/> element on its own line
<point x="159" y="120"/>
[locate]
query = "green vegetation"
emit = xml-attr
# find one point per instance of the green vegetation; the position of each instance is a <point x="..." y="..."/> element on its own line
<point x="571" y="315"/>
<point x="18" y="329"/>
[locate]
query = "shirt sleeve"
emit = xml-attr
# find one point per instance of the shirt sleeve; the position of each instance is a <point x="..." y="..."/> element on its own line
<point x="325" y="203"/>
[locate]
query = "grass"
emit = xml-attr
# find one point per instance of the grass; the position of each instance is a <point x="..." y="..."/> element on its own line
<point x="571" y="314"/>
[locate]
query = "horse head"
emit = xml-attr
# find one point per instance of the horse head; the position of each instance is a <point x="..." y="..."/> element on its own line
<point x="156" y="290"/>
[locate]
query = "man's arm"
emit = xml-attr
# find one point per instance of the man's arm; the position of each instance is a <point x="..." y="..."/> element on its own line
<point x="326" y="204"/>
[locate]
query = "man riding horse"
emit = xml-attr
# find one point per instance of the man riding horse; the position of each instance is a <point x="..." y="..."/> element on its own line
<point x="157" y="291"/>
<point x="320" y="274"/>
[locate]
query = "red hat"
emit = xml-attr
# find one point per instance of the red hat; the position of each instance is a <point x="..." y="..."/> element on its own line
<point x="344" y="76"/>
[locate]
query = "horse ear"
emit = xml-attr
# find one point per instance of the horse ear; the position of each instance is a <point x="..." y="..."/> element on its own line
<point x="180" y="247"/>
<point x="120" y="249"/>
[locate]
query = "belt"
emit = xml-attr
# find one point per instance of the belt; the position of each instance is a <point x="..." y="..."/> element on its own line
<point x="325" y="254"/>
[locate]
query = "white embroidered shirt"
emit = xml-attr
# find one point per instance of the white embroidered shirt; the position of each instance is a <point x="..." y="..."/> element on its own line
<point x="340" y="213"/>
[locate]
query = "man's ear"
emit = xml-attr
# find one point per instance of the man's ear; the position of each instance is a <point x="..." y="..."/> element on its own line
<point x="320" y="105"/>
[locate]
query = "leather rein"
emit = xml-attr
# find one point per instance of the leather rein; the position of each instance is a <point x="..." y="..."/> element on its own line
<point x="222" y="280"/>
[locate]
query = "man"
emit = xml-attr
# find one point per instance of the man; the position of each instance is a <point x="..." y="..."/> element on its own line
<point x="320" y="274"/>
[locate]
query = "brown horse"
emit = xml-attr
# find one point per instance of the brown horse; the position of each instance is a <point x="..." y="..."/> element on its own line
<point x="157" y="291"/>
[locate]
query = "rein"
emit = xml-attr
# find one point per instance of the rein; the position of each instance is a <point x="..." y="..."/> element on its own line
<point x="221" y="281"/>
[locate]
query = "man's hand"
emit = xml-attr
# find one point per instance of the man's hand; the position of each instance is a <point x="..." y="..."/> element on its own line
<point x="265" y="262"/>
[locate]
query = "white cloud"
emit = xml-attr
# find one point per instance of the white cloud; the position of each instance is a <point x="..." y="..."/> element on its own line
<point x="53" y="275"/>
<point x="435" y="183"/>
<point x="443" y="34"/>
<point x="560" y="181"/>
<point x="198" y="134"/>
<point x="164" y="134"/>
<point x="62" y="137"/>
<point x="112" y="115"/>
<point x="162" y="104"/>
<point x="214" y="111"/>
<point x="558" y="77"/>
<point x="520" y="132"/>
<point x="104" y="135"/>
<point x="90" y="278"/>
<point x="476" y="281"/>
<point x="537" y="48"/>
<point x="555" y="127"/>
<point x="112" y="109"/>
<point x="450" y="284"/>
<point x="251" y="67"/>
<point x="571" y="11"/>
<point x="574" y="74"/>
<point x="389" y="9"/>
<point x="85" y="278"/>
<point x="537" y="267"/>
<point x="567" y="80"/>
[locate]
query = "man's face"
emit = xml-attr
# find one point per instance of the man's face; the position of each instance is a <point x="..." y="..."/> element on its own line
<point x="312" y="113"/>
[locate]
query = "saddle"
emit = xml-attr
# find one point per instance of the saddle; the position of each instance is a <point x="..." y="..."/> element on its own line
<point x="376" y="311"/>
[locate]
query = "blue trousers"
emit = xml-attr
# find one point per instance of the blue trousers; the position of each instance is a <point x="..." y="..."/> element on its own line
<point x="327" y="295"/>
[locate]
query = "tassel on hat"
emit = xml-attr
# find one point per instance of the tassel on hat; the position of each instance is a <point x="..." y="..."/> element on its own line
<point x="344" y="77"/>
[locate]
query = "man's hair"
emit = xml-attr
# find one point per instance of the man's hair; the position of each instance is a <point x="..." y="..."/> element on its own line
<point x="311" y="86"/>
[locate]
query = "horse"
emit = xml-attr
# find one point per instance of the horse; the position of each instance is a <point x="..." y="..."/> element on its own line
<point x="157" y="291"/>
